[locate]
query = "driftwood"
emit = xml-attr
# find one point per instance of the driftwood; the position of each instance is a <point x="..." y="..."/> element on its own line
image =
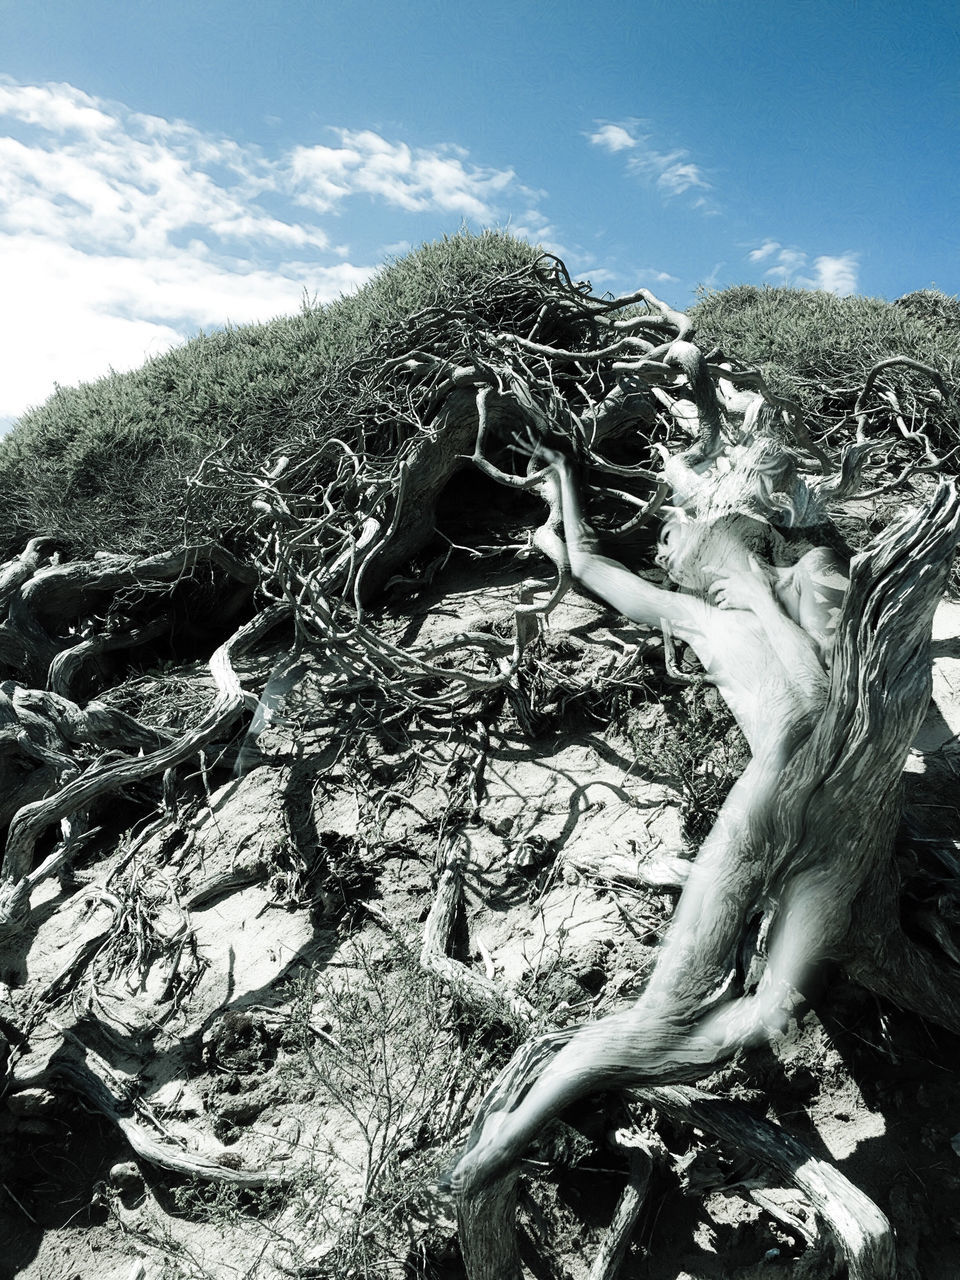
<point x="860" y="1228"/>
<point x="65" y="1061"/>
<point x="19" y="876"/>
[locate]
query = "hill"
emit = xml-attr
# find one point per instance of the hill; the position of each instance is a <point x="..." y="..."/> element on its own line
<point x="338" y="820"/>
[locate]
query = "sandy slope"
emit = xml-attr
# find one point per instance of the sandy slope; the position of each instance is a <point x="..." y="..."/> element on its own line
<point x="225" y="1070"/>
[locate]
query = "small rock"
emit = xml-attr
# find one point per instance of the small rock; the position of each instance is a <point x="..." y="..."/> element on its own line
<point x="32" y="1102"/>
<point x="126" y="1175"/>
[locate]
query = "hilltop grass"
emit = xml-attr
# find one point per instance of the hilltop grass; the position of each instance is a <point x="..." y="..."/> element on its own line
<point x="102" y="466"/>
<point x="817" y="348"/>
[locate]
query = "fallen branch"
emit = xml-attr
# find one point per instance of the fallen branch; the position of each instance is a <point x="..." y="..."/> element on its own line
<point x="609" y="1257"/>
<point x="861" y="1229"/>
<point x="473" y="989"/>
<point x="86" y="1073"/>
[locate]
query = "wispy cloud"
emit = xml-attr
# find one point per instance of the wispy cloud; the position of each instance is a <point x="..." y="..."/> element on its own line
<point x="764" y="251"/>
<point x="792" y="266"/>
<point x="673" y="173"/>
<point x="651" y="275"/>
<point x="837" y="275"/>
<point x="122" y="233"/>
<point x="415" y="179"/>
<point x="613" y="137"/>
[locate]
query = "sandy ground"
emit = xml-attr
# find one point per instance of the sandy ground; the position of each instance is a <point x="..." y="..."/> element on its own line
<point x="873" y="1090"/>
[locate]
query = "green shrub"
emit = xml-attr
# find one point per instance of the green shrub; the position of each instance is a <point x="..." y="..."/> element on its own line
<point x="103" y="465"/>
<point x="817" y="348"/>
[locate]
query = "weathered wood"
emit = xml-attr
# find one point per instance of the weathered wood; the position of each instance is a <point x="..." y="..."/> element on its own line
<point x="65" y="1061"/>
<point x="791" y="842"/>
<point x="861" y="1229"/>
<point x="470" y="987"/>
<point x="488" y="1233"/>
<point x="67" y="665"/>
<point x="103" y="778"/>
<point x="616" y="1240"/>
<point x="787" y="845"/>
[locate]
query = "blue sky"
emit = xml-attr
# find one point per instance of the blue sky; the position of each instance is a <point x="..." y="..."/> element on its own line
<point x="170" y="167"/>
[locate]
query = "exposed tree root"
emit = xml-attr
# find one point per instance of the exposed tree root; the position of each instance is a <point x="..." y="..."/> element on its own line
<point x="76" y="1067"/>
<point x="609" y="1257"/>
<point x="657" y="871"/>
<point x="325" y="525"/>
<point x="473" y="989"/>
<point x="861" y="1230"/>
<point x="19" y="877"/>
<point x="773" y="847"/>
<point x="66" y="667"/>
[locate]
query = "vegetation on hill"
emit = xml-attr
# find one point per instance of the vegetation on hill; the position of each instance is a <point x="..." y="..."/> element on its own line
<point x="352" y="496"/>
<point x="818" y="348"/>
<point x="102" y="466"/>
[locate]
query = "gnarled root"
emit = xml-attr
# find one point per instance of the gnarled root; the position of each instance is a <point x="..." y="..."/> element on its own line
<point x="18" y="876"/>
<point x="790" y="841"/>
<point x="74" y="1065"/>
<point x="471" y="988"/>
<point x="861" y="1229"/>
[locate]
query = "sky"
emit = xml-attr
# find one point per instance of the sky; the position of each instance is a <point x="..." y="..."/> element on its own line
<point x="170" y="168"/>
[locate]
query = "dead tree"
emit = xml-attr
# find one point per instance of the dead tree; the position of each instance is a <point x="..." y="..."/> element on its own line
<point x="802" y="857"/>
<point x="622" y="384"/>
<point x="790" y="847"/>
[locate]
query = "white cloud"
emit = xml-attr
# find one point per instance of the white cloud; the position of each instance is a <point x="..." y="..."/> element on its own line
<point x="411" y="179"/>
<point x="122" y="233"/>
<point x="837" y="275"/>
<point x="531" y="225"/>
<point x="677" y="175"/>
<point x="613" y="137"/>
<point x="788" y="263"/>
<point x="713" y="279"/>
<point x="792" y="267"/>
<point x="92" y="319"/>
<point x="764" y="251"/>
<point x="673" y="173"/>
<point x="135" y="182"/>
<point x="54" y="106"/>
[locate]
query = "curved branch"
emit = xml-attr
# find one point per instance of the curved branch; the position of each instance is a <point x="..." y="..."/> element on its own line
<point x="474" y="989"/>
<point x="106" y="777"/>
<point x="63" y="590"/>
<point x="83" y="1071"/>
<point x="901" y="362"/>
<point x="66" y="666"/>
<point x="24" y="566"/>
<point x="863" y="1231"/>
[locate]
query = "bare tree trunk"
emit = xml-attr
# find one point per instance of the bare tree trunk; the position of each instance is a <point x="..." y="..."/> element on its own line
<point x="800" y="852"/>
